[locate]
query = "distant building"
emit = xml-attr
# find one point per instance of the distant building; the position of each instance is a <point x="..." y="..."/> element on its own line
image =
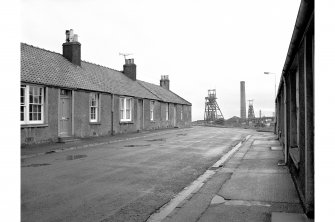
<point x="243" y="109"/>
<point x="63" y="96"/>
<point x="295" y="106"/>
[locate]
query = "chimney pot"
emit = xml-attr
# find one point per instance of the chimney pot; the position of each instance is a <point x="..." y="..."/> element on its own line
<point x="67" y="33"/>
<point x="71" y="35"/>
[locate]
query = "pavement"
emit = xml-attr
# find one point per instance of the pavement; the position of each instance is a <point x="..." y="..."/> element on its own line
<point x="248" y="186"/>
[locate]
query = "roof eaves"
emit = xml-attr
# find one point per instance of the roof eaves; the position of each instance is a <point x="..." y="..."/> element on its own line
<point x="305" y="14"/>
<point x="187" y="102"/>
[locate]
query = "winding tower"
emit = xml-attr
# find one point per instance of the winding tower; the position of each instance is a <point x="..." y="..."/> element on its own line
<point x="251" y="113"/>
<point x="212" y="109"/>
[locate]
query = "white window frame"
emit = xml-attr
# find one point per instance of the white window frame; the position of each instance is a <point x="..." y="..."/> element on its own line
<point x="167" y="112"/>
<point x="152" y="109"/>
<point x="26" y="104"/>
<point x="95" y="107"/>
<point x="124" y="109"/>
<point x="23" y="105"/>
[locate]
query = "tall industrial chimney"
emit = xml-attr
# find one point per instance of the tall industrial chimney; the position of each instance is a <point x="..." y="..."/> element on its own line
<point x="243" y="102"/>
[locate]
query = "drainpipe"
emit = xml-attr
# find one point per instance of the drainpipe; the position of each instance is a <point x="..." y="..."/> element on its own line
<point x="285" y="122"/>
<point x="275" y="131"/>
<point x="112" y="115"/>
<point x="143" y="114"/>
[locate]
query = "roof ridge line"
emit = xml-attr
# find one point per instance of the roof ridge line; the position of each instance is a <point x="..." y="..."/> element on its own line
<point x="41" y="48"/>
<point x="62" y="55"/>
<point x="150" y="83"/>
<point x="101" y="66"/>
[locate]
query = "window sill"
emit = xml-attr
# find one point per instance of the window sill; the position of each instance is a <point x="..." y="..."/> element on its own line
<point x="126" y="122"/>
<point x="95" y="123"/>
<point x="34" y="125"/>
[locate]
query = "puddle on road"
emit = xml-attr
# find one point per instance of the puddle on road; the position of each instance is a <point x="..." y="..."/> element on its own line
<point x="137" y="145"/>
<point x="155" y="140"/>
<point x="74" y="157"/>
<point x="182" y="134"/>
<point x="37" y="165"/>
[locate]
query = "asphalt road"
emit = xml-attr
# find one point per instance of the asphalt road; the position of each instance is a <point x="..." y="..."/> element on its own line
<point x="123" y="181"/>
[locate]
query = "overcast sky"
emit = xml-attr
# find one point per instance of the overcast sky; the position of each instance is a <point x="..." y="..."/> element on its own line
<point x="201" y="45"/>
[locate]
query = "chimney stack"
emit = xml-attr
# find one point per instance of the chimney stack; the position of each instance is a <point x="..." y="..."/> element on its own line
<point x="165" y="82"/>
<point x="243" y="102"/>
<point x="71" y="48"/>
<point x="129" y="69"/>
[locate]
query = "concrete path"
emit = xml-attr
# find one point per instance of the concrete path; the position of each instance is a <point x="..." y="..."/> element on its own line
<point x="250" y="186"/>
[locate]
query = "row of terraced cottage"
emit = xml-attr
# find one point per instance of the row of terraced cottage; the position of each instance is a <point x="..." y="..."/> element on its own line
<point x="63" y="96"/>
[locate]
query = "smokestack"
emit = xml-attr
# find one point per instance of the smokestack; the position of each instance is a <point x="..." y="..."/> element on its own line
<point x="165" y="82"/>
<point x="71" y="48"/>
<point x="129" y="69"/>
<point x="243" y="102"/>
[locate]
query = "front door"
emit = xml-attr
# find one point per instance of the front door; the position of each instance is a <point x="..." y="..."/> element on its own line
<point x="140" y="114"/>
<point x="65" y="121"/>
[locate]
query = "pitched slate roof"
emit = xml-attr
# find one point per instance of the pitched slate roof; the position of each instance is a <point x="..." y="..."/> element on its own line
<point x="41" y="66"/>
<point x="164" y="94"/>
<point x="49" y="68"/>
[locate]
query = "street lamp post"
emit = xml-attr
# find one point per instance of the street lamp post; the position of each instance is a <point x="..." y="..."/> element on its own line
<point x="271" y="73"/>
